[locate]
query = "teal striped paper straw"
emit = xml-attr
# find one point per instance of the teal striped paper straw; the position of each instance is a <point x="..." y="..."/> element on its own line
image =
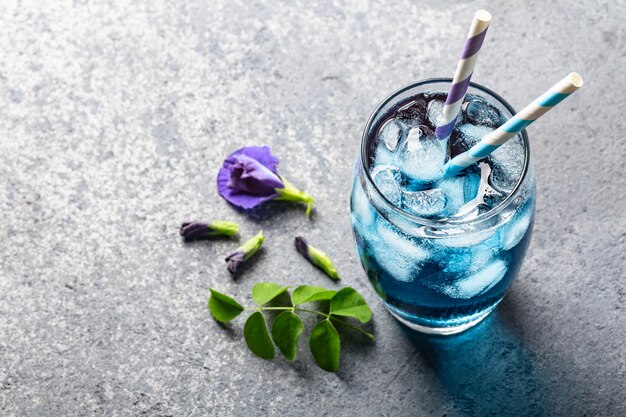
<point x="463" y="74"/>
<point x="514" y="125"/>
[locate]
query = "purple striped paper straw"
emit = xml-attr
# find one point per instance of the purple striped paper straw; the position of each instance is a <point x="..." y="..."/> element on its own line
<point x="463" y="73"/>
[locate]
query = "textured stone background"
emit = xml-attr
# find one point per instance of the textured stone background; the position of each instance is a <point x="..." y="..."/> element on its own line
<point x="114" y="118"/>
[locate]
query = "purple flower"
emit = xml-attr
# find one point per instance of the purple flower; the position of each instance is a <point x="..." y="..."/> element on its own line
<point x="237" y="259"/>
<point x="201" y="230"/>
<point x="249" y="177"/>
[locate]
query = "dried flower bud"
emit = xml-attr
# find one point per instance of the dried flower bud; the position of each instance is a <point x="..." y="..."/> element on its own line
<point x="316" y="257"/>
<point x="237" y="260"/>
<point x="201" y="230"/>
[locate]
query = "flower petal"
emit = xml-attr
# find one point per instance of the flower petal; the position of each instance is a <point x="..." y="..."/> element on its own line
<point x="248" y="177"/>
<point x="235" y="261"/>
<point x="261" y="154"/>
<point x="302" y="246"/>
<point x="194" y="231"/>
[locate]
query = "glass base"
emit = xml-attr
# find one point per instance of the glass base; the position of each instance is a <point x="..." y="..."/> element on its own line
<point x="444" y="331"/>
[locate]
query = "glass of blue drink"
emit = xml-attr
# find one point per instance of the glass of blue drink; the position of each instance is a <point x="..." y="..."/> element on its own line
<point x="440" y="252"/>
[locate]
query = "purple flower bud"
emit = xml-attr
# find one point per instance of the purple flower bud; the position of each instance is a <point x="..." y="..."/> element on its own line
<point x="316" y="257"/>
<point x="201" y="230"/>
<point x="194" y="231"/>
<point x="249" y="177"/>
<point x="237" y="260"/>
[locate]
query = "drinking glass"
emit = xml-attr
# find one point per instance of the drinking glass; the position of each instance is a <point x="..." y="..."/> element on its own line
<point x="439" y="276"/>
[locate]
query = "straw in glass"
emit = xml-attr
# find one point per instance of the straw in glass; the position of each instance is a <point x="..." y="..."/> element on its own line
<point x="514" y="125"/>
<point x="463" y="74"/>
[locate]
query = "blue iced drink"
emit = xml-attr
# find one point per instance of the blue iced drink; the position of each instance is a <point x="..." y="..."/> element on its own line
<point x="440" y="252"/>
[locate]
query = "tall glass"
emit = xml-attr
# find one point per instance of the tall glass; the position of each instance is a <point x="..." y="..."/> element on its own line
<point x="439" y="276"/>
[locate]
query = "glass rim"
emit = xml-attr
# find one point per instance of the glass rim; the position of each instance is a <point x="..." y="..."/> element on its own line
<point x="445" y="222"/>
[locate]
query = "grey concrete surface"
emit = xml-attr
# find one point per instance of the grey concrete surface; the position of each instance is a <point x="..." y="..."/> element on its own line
<point x="114" y="119"/>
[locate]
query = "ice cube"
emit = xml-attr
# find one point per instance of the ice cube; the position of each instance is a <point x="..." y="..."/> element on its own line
<point x="387" y="179"/>
<point x="482" y="186"/>
<point x="465" y="239"/>
<point x="492" y="198"/>
<point x="515" y="229"/>
<point x="477" y="111"/>
<point x="454" y="188"/>
<point x="468" y="261"/>
<point x="382" y="155"/>
<point x="424" y="203"/>
<point x="477" y="283"/>
<point x="434" y="113"/>
<point x="422" y="155"/>
<point x="362" y="209"/>
<point x="413" y="113"/>
<point x="390" y="134"/>
<point x="507" y="163"/>
<point x="471" y="185"/>
<point x="398" y="254"/>
<point x="465" y="136"/>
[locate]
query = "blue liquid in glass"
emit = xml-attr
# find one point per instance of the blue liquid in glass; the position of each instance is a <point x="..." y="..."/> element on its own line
<point x="434" y="277"/>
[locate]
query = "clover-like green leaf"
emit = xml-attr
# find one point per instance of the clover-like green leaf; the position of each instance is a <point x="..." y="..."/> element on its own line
<point x="347" y="302"/>
<point x="287" y="327"/>
<point x="325" y="346"/>
<point x="257" y="337"/>
<point x="285" y="332"/>
<point x="223" y="308"/>
<point x="265" y="292"/>
<point x="308" y="293"/>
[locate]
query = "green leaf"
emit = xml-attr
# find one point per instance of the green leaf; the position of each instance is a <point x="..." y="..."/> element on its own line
<point x="257" y="337"/>
<point x="348" y="302"/>
<point x="325" y="346"/>
<point x="285" y="332"/>
<point x="308" y="293"/>
<point x="223" y="308"/>
<point x="264" y="292"/>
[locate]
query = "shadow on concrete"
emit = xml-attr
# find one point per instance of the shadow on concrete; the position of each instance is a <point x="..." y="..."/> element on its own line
<point x="270" y="210"/>
<point x="485" y="371"/>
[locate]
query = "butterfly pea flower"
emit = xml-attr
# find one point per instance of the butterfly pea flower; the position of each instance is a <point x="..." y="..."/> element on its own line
<point x="237" y="260"/>
<point x="249" y="177"/>
<point x="316" y="257"/>
<point x="201" y="230"/>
